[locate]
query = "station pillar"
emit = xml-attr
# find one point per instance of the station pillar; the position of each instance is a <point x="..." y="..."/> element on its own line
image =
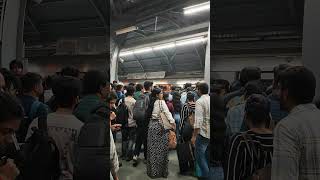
<point x="12" y="32"/>
<point x="311" y="39"/>
<point x="207" y="60"/>
<point x="114" y="61"/>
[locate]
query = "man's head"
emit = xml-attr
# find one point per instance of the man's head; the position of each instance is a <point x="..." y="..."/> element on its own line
<point x="249" y="74"/>
<point x="11" y="112"/>
<point x="12" y="83"/>
<point x="16" y="67"/>
<point x="203" y="88"/>
<point x="253" y="87"/>
<point x="297" y="86"/>
<point x="111" y="99"/>
<point x="70" y="71"/>
<point x="139" y="87"/>
<point x="257" y="111"/>
<point x="95" y="82"/>
<point x="130" y="90"/>
<point x="190" y="97"/>
<point x="67" y="91"/>
<point x="276" y="72"/>
<point x="148" y="86"/>
<point x="32" y="83"/>
<point x="187" y="85"/>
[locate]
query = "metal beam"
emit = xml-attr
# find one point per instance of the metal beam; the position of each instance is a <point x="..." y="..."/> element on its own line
<point x="139" y="61"/>
<point x="168" y="61"/>
<point x="100" y="14"/>
<point x="32" y="23"/>
<point x="202" y="27"/>
<point x="201" y="58"/>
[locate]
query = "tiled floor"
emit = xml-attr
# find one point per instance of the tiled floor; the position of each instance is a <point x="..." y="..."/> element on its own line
<point x="128" y="172"/>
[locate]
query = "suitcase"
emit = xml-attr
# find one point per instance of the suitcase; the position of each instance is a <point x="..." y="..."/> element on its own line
<point x="185" y="157"/>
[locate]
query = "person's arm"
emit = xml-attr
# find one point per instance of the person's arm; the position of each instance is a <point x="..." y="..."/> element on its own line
<point x="198" y="121"/>
<point x="114" y="159"/>
<point x="286" y="154"/>
<point x="167" y="112"/>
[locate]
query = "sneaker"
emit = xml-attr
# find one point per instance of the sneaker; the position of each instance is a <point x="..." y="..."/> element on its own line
<point x="135" y="161"/>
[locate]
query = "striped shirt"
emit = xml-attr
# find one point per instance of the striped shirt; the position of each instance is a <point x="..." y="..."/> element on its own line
<point x="186" y="110"/>
<point x="240" y="164"/>
<point x="297" y="145"/>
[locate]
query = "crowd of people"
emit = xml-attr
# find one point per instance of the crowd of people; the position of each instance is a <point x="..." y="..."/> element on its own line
<point x="66" y="127"/>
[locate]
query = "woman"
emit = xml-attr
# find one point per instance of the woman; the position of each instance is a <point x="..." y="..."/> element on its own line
<point x="158" y="150"/>
<point x="252" y="150"/>
<point x="166" y="97"/>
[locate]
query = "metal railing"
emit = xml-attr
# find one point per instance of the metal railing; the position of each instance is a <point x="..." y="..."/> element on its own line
<point x="2" y="11"/>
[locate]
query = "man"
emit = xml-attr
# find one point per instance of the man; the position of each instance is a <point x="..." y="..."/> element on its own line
<point x="16" y="67"/>
<point x="63" y="126"/>
<point x="297" y="137"/>
<point x="95" y="90"/>
<point x="11" y="113"/>
<point x="276" y="113"/>
<point x="142" y="127"/>
<point x="129" y="130"/>
<point x="32" y="88"/>
<point x="201" y="135"/>
<point x="138" y="91"/>
<point x="119" y="91"/>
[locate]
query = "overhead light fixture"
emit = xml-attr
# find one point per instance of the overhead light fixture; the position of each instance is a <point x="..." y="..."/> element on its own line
<point x="174" y="44"/>
<point x="196" y="8"/>
<point x="164" y="46"/>
<point x="126" y="30"/>
<point x="191" y="41"/>
<point x="126" y="53"/>
<point x="143" y="50"/>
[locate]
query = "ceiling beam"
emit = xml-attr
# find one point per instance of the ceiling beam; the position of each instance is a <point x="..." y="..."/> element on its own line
<point x="32" y="23"/>
<point x="99" y="12"/>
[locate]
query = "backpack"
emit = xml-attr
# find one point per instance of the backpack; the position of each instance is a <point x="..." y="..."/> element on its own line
<point x="25" y="123"/>
<point x="41" y="157"/>
<point x="140" y="108"/>
<point x="92" y="155"/>
<point x="259" y="174"/>
<point x="122" y="113"/>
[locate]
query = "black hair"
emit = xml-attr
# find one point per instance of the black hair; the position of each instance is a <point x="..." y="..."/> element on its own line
<point x="29" y="81"/>
<point x="253" y="87"/>
<point x="16" y="63"/>
<point x="10" y="109"/>
<point x="190" y="96"/>
<point x="203" y="88"/>
<point x="67" y="89"/>
<point x="130" y="90"/>
<point x="276" y="73"/>
<point x="173" y="88"/>
<point x="257" y="109"/>
<point x="187" y="85"/>
<point x="300" y="83"/>
<point x="139" y="87"/>
<point x="11" y="80"/>
<point x="131" y="84"/>
<point x="147" y="85"/>
<point x="249" y="74"/>
<point x="93" y="81"/>
<point x="166" y="96"/>
<point x="111" y="96"/>
<point x="70" y="71"/>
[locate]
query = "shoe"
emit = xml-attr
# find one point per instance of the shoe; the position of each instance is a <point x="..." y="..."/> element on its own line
<point x="135" y="161"/>
<point x="120" y="164"/>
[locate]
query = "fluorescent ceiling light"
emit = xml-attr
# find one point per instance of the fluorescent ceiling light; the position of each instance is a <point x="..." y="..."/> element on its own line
<point x="126" y="30"/>
<point x="191" y="41"/>
<point x="126" y="53"/>
<point x="164" y="46"/>
<point x="197" y="8"/>
<point x="143" y="50"/>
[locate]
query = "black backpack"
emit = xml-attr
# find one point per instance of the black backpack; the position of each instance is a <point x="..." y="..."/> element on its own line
<point x="122" y="113"/>
<point x="41" y="158"/>
<point x="140" y="108"/>
<point x="92" y="157"/>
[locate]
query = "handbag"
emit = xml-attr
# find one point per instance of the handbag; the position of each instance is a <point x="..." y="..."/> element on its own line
<point x="172" y="143"/>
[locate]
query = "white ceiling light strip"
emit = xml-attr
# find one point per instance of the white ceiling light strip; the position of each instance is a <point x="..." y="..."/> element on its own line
<point x="164" y="46"/>
<point x="196" y="8"/>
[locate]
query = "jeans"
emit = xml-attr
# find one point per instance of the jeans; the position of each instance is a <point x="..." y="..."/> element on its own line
<point x="202" y="155"/>
<point x="216" y="173"/>
<point x="128" y="140"/>
<point x="142" y="133"/>
<point x="177" y="120"/>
